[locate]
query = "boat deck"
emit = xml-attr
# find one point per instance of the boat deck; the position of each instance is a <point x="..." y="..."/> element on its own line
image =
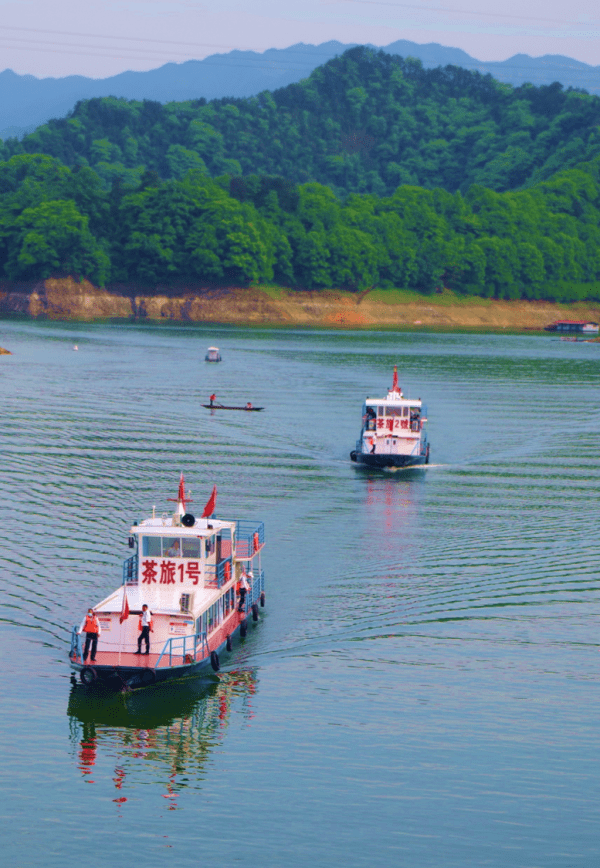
<point x="131" y="660"/>
<point x="128" y="660"/>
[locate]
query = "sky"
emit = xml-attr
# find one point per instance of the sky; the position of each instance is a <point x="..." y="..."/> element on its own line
<point x="99" y="38"/>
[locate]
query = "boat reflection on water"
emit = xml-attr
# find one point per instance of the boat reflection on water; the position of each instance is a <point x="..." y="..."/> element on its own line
<point x="393" y="500"/>
<point x="151" y="736"/>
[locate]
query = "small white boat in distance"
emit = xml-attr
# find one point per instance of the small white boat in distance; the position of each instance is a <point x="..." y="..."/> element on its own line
<point x="212" y="355"/>
<point x="393" y="431"/>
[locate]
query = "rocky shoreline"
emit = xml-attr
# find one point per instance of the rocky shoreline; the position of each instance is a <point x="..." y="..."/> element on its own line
<point x="70" y="299"/>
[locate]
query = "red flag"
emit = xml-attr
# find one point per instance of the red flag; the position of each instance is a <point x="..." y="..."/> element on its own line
<point x="125" y="609"/>
<point x="212" y="502"/>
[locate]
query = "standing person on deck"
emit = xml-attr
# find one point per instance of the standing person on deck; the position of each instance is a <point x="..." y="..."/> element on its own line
<point x="213" y="398"/>
<point x="145" y="626"/>
<point x="243" y="587"/>
<point x="91" y="627"/>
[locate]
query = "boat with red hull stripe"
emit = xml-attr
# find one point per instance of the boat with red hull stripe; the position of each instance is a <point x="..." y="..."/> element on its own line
<point x="393" y="432"/>
<point x="202" y="586"/>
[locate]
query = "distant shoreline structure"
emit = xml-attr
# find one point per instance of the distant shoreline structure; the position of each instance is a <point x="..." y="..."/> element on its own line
<point x="71" y="299"/>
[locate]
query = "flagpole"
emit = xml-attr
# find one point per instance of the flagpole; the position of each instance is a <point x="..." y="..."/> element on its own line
<point x="124" y="616"/>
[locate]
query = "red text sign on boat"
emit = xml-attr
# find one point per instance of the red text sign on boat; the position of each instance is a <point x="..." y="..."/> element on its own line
<point x="165" y="572"/>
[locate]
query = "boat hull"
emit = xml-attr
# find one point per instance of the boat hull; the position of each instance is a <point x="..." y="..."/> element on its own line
<point x="381" y="461"/>
<point x="122" y="674"/>
<point x="223" y="407"/>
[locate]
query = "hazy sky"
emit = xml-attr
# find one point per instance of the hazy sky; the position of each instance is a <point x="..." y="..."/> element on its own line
<point x="99" y="38"/>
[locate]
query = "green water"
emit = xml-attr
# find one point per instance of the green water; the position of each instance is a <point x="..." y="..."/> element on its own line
<point x="422" y="689"/>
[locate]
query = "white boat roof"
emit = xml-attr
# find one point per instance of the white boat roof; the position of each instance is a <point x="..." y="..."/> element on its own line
<point x="395" y="399"/>
<point x="216" y="349"/>
<point x="165" y="525"/>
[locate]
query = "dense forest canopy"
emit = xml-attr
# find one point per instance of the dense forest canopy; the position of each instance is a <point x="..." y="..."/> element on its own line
<point x="542" y="242"/>
<point x="365" y="122"/>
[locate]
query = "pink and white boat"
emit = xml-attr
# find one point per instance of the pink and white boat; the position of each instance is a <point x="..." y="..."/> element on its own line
<point x="203" y="583"/>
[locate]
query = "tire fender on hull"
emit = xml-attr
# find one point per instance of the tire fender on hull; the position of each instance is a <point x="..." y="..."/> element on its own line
<point x="214" y="661"/>
<point x="88" y="675"/>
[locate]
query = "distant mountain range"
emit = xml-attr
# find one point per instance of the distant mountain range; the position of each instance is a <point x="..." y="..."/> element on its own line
<point x="28" y="102"/>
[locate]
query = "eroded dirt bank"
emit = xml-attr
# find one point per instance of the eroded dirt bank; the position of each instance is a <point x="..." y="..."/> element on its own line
<point x="68" y="298"/>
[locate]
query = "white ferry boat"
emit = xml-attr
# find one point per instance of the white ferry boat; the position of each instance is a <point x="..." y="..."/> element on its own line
<point x="201" y="581"/>
<point x="393" y="431"/>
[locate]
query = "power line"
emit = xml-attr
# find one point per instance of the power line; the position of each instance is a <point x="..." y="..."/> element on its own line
<point x="466" y="12"/>
<point x="145" y="52"/>
<point x="121" y="38"/>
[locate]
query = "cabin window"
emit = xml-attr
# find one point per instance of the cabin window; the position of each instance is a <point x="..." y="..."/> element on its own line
<point x="209" y="546"/>
<point x="151" y="546"/>
<point x="212" y="617"/>
<point x="381" y="411"/>
<point x="171" y="547"/>
<point x="405" y="411"/>
<point x="393" y="411"/>
<point x="191" y="547"/>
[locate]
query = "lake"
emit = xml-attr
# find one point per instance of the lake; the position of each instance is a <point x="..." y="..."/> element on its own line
<point x="422" y="688"/>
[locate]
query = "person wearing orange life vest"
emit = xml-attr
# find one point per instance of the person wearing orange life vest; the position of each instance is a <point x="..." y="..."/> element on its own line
<point x="145" y="626"/>
<point x="91" y="627"/>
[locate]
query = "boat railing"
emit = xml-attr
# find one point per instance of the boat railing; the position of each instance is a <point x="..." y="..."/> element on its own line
<point x="249" y="539"/>
<point x="130" y="570"/>
<point x="76" y="649"/>
<point x="188" y="649"/>
<point x="257" y="586"/>
<point x="218" y="575"/>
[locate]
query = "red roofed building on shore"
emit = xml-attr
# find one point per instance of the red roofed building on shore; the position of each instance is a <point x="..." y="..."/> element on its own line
<point x="573" y="326"/>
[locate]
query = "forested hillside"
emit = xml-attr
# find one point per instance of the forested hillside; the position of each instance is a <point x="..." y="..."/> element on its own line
<point x="365" y="122"/>
<point x="543" y="242"/>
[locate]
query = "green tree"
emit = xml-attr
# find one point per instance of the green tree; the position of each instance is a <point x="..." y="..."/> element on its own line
<point x="51" y="238"/>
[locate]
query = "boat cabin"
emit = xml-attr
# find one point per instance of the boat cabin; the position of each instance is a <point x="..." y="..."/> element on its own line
<point x="392" y="425"/>
<point x="186" y="571"/>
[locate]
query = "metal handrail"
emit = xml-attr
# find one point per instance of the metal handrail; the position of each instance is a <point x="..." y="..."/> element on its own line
<point x="215" y="575"/>
<point x="257" y="586"/>
<point x="130" y="570"/>
<point x="247" y="534"/>
<point x="196" y="640"/>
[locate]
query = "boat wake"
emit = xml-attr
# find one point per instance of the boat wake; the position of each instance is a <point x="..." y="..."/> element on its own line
<point x="410" y="468"/>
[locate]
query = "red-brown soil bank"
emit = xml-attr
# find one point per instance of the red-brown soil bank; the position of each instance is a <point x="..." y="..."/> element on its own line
<point x="67" y="298"/>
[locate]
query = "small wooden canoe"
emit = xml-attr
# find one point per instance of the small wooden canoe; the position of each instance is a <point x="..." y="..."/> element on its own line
<point x="223" y="407"/>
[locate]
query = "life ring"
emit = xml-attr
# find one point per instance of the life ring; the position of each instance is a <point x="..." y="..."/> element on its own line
<point x="254" y="612"/>
<point x="262" y="599"/>
<point x="214" y="661"/>
<point x="243" y="627"/>
<point x="88" y="675"/>
<point x="228" y="643"/>
<point x="255" y="542"/>
<point x="148" y="677"/>
<point x="227" y="570"/>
